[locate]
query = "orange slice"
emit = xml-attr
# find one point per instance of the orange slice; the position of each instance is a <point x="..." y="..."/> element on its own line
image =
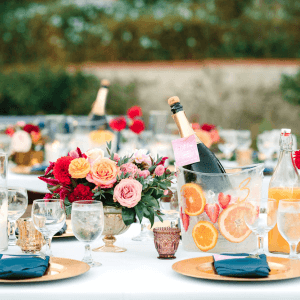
<point x="205" y="235"/>
<point x="194" y="199"/>
<point x="232" y="224"/>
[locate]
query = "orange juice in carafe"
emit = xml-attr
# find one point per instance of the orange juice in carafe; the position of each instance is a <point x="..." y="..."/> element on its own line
<point x="284" y="184"/>
<point x="276" y="242"/>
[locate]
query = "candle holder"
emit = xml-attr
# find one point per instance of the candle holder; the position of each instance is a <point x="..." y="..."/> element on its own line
<point x="30" y="240"/>
<point x="166" y="241"/>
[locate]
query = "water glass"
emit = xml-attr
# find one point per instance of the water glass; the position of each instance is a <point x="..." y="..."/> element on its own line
<point x="230" y="142"/>
<point x="260" y="217"/>
<point x="87" y="219"/>
<point x="288" y="222"/>
<point x="48" y="216"/>
<point x="169" y="206"/>
<point x="17" y="205"/>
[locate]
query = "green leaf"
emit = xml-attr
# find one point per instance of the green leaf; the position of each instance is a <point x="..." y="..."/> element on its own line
<point x="68" y="209"/>
<point x="150" y="201"/>
<point x="146" y="212"/>
<point x="159" y="217"/>
<point x="128" y="215"/>
<point x="139" y="211"/>
<point x="151" y="217"/>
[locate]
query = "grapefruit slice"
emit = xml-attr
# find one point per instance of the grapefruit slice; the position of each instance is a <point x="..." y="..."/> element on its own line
<point x="194" y="199"/>
<point x="205" y="235"/>
<point x="232" y="224"/>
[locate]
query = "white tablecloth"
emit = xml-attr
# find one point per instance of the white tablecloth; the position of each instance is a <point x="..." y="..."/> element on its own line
<point x="29" y="182"/>
<point x="138" y="274"/>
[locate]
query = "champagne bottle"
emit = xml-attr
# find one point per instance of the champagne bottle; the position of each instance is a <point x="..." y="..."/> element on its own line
<point x="284" y="184"/>
<point x="98" y="110"/>
<point x="208" y="161"/>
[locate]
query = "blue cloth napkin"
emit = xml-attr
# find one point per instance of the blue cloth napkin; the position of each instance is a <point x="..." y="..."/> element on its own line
<point x="62" y="230"/>
<point x="241" y="265"/>
<point x="22" y="266"/>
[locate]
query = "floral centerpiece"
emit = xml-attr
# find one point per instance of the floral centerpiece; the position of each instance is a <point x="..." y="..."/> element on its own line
<point x="27" y="143"/>
<point x="207" y="133"/>
<point x="134" y="183"/>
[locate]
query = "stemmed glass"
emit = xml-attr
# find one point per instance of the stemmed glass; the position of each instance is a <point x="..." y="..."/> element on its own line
<point x="260" y="216"/>
<point x="87" y="219"/>
<point x="144" y="234"/>
<point x="169" y="206"/>
<point x="230" y="142"/>
<point x="48" y="217"/>
<point x="17" y="205"/>
<point x="288" y="222"/>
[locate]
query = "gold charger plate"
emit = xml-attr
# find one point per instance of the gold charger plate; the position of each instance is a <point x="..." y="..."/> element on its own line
<point x="60" y="268"/>
<point x="25" y="170"/>
<point x="202" y="267"/>
<point x="68" y="232"/>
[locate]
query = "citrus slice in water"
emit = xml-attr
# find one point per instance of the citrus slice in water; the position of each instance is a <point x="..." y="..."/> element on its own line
<point x="205" y="235"/>
<point x="232" y="224"/>
<point x="194" y="199"/>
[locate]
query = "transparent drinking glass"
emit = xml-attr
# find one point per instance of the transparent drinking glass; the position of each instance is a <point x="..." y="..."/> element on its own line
<point x="169" y="206"/>
<point x="144" y="233"/>
<point x="243" y="139"/>
<point x="87" y="219"/>
<point x="230" y="142"/>
<point x="48" y="217"/>
<point x="288" y="222"/>
<point x="260" y="216"/>
<point x="17" y="205"/>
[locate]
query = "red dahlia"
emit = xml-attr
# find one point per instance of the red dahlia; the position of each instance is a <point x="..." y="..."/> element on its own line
<point x="207" y="127"/>
<point x="10" y="131"/>
<point x="81" y="192"/>
<point x="137" y="126"/>
<point x="118" y="124"/>
<point x="61" y="169"/>
<point x="134" y="111"/>
<point x="30" y="127"/>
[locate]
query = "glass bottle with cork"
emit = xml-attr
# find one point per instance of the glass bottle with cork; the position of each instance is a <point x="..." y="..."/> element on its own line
<point x="284" y="184"/>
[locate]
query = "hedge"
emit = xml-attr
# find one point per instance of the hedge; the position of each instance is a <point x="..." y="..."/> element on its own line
<point x="48" y="91"/>
<point x="148" y="30"/>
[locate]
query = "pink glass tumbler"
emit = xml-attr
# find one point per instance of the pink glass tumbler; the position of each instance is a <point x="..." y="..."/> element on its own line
<point x="166" y="241"/>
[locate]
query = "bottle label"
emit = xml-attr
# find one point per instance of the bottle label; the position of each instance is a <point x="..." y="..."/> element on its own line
<point x="185" y="151"/>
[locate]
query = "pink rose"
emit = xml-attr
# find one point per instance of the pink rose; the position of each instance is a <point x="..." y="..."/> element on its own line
<point x="103" y="173"/>
<point x="116" y="157"/>
<point x="128" y="192"/>
<point x="166" y="192"/>
<point x="144" y="173"/>
<point x="94" y="154"/>
<point x="159" y="170"/>
<point x="74" y="154"/>
<point x="129" y="168"/>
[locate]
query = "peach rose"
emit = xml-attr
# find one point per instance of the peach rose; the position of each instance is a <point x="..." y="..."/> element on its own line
<point x="79" y="168"/>
<point x="103" y="173"/>
<point x="128" y="192"/>
<point x="94" y="154"/>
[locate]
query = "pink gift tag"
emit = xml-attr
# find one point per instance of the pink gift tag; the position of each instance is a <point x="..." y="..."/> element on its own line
<point x="185" y="151"/>
<point x="218" y="257"/>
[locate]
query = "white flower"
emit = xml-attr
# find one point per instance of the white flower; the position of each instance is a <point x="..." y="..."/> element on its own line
<point x="94" y="154"/>
<point x="141" y="156"/>
<point x="21" y="141"/>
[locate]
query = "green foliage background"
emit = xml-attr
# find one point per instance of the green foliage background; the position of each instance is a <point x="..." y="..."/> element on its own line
<point x="56" y="91"/>
<point x="140" y="30"/>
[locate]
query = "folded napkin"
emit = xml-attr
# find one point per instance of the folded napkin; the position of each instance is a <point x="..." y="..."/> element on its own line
<point x="62" y="230"/>
<point x="22" y="266"/>
<point x="241" y="265"/>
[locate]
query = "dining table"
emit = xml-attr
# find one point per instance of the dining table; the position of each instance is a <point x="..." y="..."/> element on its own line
<point x="138" y="274"/>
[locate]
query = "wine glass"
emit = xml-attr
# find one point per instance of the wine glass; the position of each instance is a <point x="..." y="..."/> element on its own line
<point x="169" y="206"/>
<point x="48" y="216"/>
<point x="260" y="216"/>
<point x="288" y="222"/>
<point x="145" y="233"/>
<point x="243" y="139"/>
<point x="87" y="219"/>
<point x="230" y="142"/>
<point x="17" y="205"/>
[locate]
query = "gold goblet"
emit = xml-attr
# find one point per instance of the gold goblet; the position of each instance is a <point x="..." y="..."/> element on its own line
<point x="113" y="225"/>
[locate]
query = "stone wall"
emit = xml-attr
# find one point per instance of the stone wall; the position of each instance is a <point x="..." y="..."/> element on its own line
<point x="231" y="94"/>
